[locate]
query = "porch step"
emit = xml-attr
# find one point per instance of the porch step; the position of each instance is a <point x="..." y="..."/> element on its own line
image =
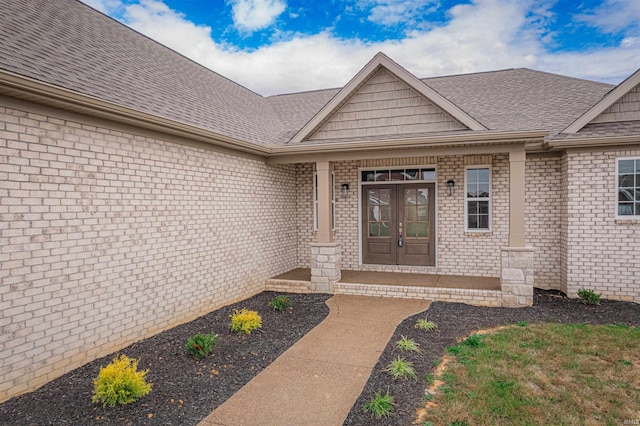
<point x="474" y="297"/>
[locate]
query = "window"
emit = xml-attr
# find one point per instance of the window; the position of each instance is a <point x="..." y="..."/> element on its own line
<point x="395" y="175"/>
<point x="628" y="184"/>
<point x="315" y="201"/>
<point x="478" y="198"/>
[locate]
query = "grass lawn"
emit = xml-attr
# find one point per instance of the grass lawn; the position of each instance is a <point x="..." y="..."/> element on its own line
<point x="561" y="374"/>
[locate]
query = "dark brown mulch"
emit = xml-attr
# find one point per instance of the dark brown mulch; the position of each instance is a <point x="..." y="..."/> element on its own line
<point x="457" y="321"/>
<point x="184" y="390"/>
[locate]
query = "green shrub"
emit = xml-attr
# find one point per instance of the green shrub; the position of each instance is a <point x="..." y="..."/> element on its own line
<point x="120" y="383"/>
<point x="474" y="341"/>
<point x="201" y="345"/>
<point x="245" y="321"/>
<point x="280" y="303"/>
<point x="400" y="367"/>
<point x="407" y="344"/>
<point x="588" y="297"/>
<point x="423" y="324"/>
<point x="380" y="406"/>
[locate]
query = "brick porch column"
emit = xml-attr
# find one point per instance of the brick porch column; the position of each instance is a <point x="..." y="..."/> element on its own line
<point x="325" y="252"/>
<point x="516" y="276"/>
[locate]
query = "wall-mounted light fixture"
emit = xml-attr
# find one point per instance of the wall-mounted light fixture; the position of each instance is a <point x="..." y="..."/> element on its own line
<point x="345" y="190"/>
<point x="450" y="184"/>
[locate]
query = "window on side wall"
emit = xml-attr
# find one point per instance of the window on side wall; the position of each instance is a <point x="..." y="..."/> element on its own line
<point x="315" y="201"/>
<point x="477" y="198"/>
<point x="628" y="187"/>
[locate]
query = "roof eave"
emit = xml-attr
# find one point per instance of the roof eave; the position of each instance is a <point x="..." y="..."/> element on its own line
<point x="598" y="142"/>
<point x="20" y="86"/>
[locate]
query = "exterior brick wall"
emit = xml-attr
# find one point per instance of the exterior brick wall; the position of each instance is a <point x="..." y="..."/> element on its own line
<point x="108" y="237"/>
<point x="602" y="252"/>
<point x="544" y="217"/>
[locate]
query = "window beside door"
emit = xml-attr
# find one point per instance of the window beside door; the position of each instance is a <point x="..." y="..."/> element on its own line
<point x="477" y="198"/>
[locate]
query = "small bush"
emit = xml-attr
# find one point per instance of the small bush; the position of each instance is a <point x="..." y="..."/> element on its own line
<point x="588" y="297"/>
<point x="380" y="406"/>
<point x="120" y="383"/>
<point x="201" y="345"/>
<point x="245" y="321"/>
<point x="280" y="303"/>
<point x="407" y="344"/>
<point x="425" y="325"/>
<point x="400" y="367"/>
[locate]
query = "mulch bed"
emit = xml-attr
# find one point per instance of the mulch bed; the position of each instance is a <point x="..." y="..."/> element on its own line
<point x="185" y="391"/>
<point x="457" y="321"/>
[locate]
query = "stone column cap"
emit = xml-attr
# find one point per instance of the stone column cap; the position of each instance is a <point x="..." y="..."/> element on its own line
<point x="517" y="248"/>
<point x="333" y="244"/>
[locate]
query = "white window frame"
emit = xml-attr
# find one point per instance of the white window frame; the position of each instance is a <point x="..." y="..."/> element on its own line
<point x="467" y="199"/>
<point x="315" y="201"/>
<point x="635" y="216"/>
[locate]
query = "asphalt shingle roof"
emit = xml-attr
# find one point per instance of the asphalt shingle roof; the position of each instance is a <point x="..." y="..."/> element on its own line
<point x="68" y="44"/>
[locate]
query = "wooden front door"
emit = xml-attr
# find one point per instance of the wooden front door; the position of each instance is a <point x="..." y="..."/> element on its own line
<point x="398" y="224"/>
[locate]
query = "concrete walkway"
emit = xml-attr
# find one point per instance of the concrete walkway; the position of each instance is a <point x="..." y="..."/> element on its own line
<point x="317" y="380"/>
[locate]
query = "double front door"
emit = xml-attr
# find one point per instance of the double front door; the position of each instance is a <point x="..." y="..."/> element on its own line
<point x="398" y="224"/>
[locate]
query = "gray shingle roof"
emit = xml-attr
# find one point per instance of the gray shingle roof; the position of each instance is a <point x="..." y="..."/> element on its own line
<point x="601" y="130"/>
<point x="68" y="44"/>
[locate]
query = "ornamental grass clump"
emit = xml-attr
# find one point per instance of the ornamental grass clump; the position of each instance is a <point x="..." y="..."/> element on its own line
<point x="244" y="321"/>
<point x="380" y="405"/>
<point x="120" y="383"/>
<point x="280" y="303"/>
<point x="201" y="345"/>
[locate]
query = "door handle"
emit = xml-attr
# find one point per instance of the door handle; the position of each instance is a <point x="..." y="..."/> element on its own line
<point x="400" y="242"/>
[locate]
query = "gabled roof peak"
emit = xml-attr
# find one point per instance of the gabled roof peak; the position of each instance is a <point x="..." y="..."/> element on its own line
<point x="380" y="60"/>
<point x="607" y="100"/>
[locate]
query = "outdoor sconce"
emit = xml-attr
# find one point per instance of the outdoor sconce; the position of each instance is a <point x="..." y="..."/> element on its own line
<point x="345" y="190"/>
<point x="450" y="184"/>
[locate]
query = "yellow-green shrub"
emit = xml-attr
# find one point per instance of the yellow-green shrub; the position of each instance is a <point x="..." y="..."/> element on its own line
<point x="244" y="321"/>
<point x="120" y="383"/>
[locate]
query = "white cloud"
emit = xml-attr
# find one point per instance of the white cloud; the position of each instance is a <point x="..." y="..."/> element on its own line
<point x="483" y="35"/>
<point x="614" y="15"/>
<point x="252" y="15"/>
<point x="393" y="12"/>
<point x="108" y="7"/>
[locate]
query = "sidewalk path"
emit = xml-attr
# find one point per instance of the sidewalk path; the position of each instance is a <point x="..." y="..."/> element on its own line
<point x="317" y="380"/>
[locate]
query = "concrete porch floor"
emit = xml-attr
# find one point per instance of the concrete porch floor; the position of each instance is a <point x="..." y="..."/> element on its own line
<point x="401" y="279"/>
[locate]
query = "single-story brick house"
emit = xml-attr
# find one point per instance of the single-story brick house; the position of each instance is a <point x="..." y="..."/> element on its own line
<point x="140" y="190"/>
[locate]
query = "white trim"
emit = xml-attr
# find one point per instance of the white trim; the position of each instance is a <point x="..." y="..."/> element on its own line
<point x="466" y="199"/>
<point x="633" y="217"/>
<point x="609" y="99"/>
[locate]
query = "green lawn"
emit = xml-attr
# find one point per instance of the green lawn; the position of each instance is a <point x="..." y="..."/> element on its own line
<point x="560" y="374"/>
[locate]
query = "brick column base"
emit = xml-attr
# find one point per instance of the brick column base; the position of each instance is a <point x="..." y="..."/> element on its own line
<point x="326" y="259"/>
<point x="516" y="277"/>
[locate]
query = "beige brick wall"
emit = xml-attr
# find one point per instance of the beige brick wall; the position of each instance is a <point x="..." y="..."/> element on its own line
<point x="602" y="252"/>
<point x="459" y="252"/>
<point x="107" y="237"/>
<point x="544" y="217"/>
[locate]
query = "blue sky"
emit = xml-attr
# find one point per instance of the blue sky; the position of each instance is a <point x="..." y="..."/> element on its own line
<point x="282" y="46"/>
